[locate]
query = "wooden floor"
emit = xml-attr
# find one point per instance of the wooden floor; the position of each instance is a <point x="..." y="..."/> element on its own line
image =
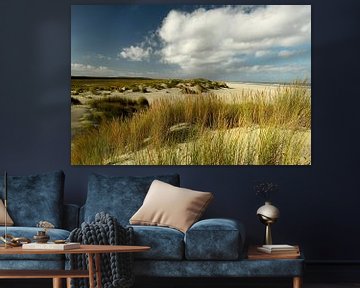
<point x="339" y="285"/>
<point x="45" y="283"/>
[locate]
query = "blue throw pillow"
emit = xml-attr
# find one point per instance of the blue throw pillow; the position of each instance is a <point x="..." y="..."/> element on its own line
<point x="120" y="196"/>
<point x="35" y="198"/>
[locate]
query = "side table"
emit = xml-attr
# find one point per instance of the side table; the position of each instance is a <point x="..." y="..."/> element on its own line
<point x="92" y="251"/>
<point x="289" y="259"/>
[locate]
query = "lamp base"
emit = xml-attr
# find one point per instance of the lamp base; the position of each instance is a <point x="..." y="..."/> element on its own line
<point x="268" y="237"/>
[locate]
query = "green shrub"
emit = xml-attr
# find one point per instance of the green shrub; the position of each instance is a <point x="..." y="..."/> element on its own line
<point x="143" y="102"/>
<point x="75" y="101"/>
<point x="157" y="86"/>
<point x="95" y="91"/>
<point x="135" y="88"/>
<point x="187" y="90"/>
<point x="172" y="83"/>
<point x="115" y="108"/>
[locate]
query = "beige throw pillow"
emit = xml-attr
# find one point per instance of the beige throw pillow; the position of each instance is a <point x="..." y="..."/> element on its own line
<point x="9" y="221"/>
<point x="170" y="206"/>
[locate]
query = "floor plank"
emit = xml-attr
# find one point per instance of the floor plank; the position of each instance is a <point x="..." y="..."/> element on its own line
<point x="46" y="283"/>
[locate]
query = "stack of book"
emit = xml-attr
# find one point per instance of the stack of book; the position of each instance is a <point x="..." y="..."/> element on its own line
<point x="279" y="249"/>
<point x="51" y="246"/>
<point x="274" y="252"/>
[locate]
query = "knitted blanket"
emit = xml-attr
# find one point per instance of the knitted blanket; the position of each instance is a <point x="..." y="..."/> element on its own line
<point x="116" y="268"/>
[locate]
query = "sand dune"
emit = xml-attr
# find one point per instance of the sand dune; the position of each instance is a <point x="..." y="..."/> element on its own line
<point x="234" y="93"/>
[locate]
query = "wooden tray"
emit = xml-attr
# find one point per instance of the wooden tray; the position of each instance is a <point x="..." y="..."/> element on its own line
<point x="254" y="254"/>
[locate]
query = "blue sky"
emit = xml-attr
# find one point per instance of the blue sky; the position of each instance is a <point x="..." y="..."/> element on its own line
<point x="233" y="43"/>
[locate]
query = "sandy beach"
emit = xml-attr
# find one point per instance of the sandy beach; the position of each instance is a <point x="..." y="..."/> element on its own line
<point x="235" y="89"/>
<point x="238" y="87"/>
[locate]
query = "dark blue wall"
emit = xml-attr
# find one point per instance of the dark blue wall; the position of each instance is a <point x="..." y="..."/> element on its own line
<point x="318" y="203"/>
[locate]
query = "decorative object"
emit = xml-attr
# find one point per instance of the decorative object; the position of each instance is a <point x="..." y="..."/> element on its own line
<point x="5" y="215"/>
<point x="60" y="241"/>
<point x="45" y="225"/>
<point x="4" y="238"/>
<point x="192" y="47"/>
<point x="170" y="206"/>
<point x="268" y="213"/>
<point x="265" y="189"/>
<point x="11" y="241"/>
<point x="41" y="236"/>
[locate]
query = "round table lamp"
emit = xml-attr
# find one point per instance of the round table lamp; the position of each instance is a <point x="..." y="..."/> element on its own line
<point x="268" y="214"/>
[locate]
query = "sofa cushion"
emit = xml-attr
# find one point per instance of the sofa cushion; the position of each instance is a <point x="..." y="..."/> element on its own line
<point x="119" y="196"/>
<point x="165" y="243"/>
<point x="170" y="206"/>
<point x="35" y="198"/>
<point x="214" y="239"/>
<point x="9" y="221"/>
<point x="29" y="232"/>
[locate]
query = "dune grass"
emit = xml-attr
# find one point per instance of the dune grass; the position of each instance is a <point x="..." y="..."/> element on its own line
<point x="96" y="85"/>
<point x="110" y="108"/>
<point x="254" y="129"/>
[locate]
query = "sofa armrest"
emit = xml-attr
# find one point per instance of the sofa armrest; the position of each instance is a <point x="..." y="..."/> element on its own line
<point x="215" y="239"/>
<point x="71" y="216"/>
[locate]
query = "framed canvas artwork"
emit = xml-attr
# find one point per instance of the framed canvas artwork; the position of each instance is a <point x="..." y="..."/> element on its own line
<point x="190" y="84"/>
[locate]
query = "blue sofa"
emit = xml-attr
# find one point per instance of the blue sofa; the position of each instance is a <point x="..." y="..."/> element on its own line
<point x="210" y="248"/>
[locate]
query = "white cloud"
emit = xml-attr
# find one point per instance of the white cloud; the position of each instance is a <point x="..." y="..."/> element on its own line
<point x="102" y="57"/>
<point x="223" y="37"/>
<point x="135" y="53"/>
<point x="287" y="53"/>
<point x="262" y="53"/>
<point x="273" y="69"/>
<point x="78" y="69"/>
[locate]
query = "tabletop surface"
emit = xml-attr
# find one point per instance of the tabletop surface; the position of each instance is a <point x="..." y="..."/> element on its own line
<point x="92" y="249"/>
<point x="254" y="254"/>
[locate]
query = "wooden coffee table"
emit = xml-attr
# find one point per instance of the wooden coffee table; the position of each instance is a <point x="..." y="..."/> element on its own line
<point x="92" y="251"/>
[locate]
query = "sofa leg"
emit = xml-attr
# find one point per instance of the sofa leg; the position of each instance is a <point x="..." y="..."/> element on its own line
<point x="57" y="283"/>
<point x="297" y="282"/>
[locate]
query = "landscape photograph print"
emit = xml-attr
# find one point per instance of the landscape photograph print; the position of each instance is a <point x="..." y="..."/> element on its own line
<point x="190" y="84"/>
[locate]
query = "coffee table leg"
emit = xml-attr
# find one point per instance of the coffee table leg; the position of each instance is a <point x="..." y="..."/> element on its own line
<point x="57" y="283"/>
<point x="68" y="282"/>
<point x="297" y="282"/>
<point x="91" y="270"/>
<point x="98" y="270"/>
